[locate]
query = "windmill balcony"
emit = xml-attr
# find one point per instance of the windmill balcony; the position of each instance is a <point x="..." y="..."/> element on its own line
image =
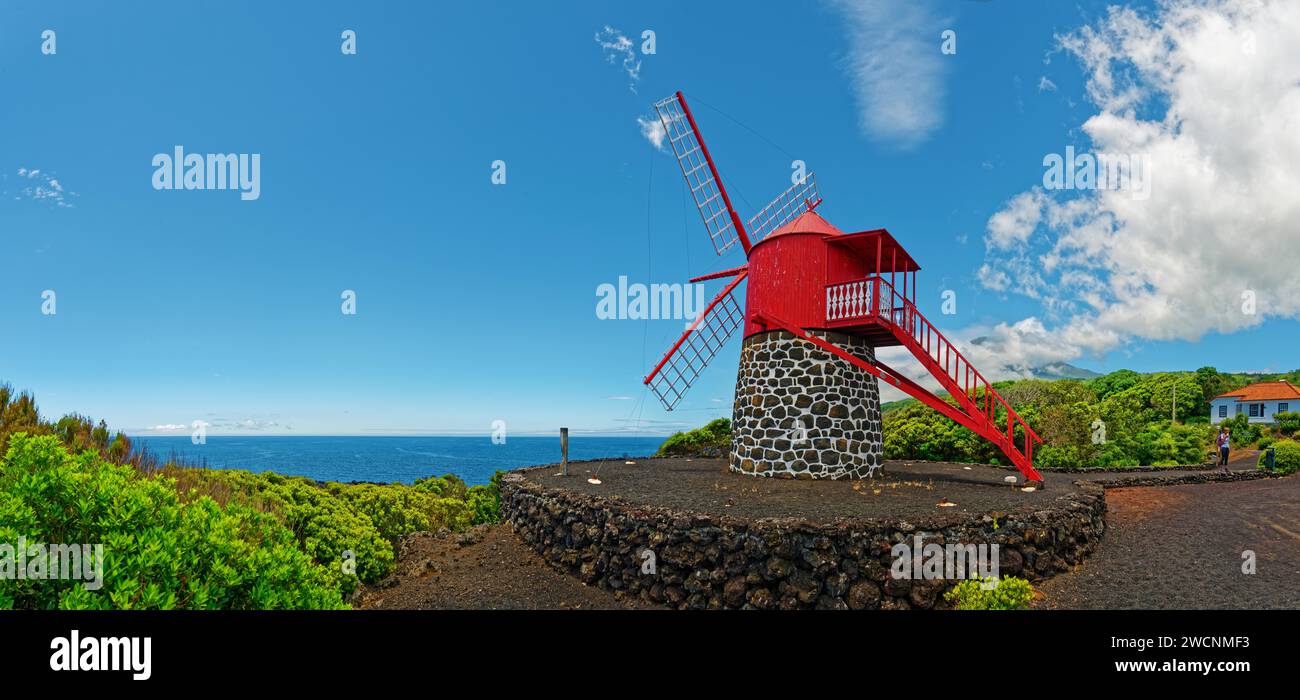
<point x="867" y="306"/>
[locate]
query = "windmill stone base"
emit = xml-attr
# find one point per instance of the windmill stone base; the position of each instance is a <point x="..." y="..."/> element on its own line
<point x="802" y="413"/>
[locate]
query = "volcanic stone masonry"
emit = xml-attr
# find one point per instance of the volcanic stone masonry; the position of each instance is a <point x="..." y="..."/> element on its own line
<point x="802" y="413"/>
<point x="712" y="561"/>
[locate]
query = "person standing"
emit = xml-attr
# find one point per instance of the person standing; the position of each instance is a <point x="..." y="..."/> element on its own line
<point x="1225" y="442"/>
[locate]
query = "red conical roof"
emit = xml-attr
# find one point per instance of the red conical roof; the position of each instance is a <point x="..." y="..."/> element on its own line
<point x="808" y="222"/>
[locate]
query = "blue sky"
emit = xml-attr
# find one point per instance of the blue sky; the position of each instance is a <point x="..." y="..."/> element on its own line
<point x="475" y="301"/>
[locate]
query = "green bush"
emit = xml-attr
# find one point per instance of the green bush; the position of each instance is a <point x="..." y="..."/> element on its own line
<point x="159" y="552"/>
<point x="394" y="509"/>
<point x="1286" y="457"/>
<point x="346" y="533"/>
<point x="1288" y="422"/>
<point x="485" y="502"/>
<point x="714" y="439"/>
<point x="1243" y="431"/>
<point x="1010" y="593"/>
<point x="336" y="522"/>
<point x="919" y="432"/>
<point x="445" y="486"/>
<point x="1165" y="445"/>
<point x="331" y="530"/>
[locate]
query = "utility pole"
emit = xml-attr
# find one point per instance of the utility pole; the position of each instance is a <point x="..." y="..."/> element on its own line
<point x="564" y="451"/>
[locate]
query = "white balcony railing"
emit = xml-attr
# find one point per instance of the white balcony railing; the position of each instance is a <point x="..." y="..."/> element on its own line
<point x="848" y="300"/>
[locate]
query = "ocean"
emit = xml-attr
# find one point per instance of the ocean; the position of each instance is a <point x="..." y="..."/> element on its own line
<point x="388" y="459"/>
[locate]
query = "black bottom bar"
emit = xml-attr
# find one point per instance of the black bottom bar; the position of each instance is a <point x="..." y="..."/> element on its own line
<point x="333" y="649"/>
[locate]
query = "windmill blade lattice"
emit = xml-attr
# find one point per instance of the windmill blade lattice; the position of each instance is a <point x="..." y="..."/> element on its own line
<point x="799" y="198"/>
<point x="693" y="158"/>
<point x="696" y="348"/>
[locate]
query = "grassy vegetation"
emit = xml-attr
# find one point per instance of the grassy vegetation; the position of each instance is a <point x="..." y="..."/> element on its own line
<point x="183" y="537"/>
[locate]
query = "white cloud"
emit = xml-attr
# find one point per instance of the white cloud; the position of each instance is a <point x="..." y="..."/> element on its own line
<point x="653" y="131"/>
<point x="618" y="50"/>
<point x="221" y="424"/>
<point x="1016" y="221"/>
<point x="1208" y="90"/>
<point x="1046" y="85"/>
<point x="997" y="280"/>
<point x="251" y="424"/>
<point x="896" y="68"/>
<point x="38" y="186"/>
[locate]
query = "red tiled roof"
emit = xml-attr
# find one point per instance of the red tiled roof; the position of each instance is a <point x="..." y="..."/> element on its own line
<point x="1264" y="391"/>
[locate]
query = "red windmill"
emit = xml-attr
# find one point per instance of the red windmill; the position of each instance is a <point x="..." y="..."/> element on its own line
<point x="820" y="301"/>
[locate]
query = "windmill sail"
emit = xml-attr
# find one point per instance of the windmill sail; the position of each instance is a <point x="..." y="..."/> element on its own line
<point x="720" y="218"/>
<point x="799" y="198"/>
<point x="688" y="357"/>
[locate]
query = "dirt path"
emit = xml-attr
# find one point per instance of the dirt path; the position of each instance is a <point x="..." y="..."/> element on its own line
<point x="1181" y="547"/>
<point x="1243" y="459"/>
<point x="487" y="569"/>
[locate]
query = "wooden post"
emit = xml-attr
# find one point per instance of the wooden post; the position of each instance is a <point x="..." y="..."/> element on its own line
<point x="564" y="451"/>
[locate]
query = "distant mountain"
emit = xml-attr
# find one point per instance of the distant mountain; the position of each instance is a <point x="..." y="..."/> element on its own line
<point x="1059" y="370"/>
<point x="1051" y="370"/>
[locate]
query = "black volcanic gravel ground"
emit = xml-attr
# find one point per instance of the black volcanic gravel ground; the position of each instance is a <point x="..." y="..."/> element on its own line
<point x="906" y="489"/>
<point x="1165" y="547"/>
<point x="1180" y="547"/>
<point x="485" y="569"/>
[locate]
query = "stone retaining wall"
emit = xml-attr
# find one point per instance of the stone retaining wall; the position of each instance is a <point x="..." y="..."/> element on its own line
<point x="1082" y="470"/>
<point x="705" y="561"/>
<point x="1205" y="477"/>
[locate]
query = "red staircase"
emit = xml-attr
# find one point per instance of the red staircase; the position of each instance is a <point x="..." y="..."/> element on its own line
<point x="871" y="307"/>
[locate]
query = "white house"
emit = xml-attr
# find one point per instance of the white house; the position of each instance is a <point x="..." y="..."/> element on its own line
<point x="1259" y="402"/>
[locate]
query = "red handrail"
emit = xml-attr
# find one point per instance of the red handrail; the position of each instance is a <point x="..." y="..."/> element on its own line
<point x="930" y="341"/>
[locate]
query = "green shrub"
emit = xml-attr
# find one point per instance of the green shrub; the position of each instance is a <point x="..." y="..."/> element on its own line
<point x="327" y="526"/>
<point x="159" y="552"/>
<point x="1288" y="422"/>
<point x="1286" y="457"/>
<point x="714" y="439"/>
<point x="485" y="502"/>
<point x="394" y="509"/>
<point x="1010" y="593"/>
<point x="445" y="486"/>
<point x="336" y="522"/>
<point x="344" y="533"/>
<point x="1243" y="431"/>
<point x="331" y="531"/>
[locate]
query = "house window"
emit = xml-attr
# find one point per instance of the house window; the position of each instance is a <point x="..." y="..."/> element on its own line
<point x="1238" y="409"/>
<point x="1223" y="410"/>
<point x="1283" y="407"/>
<point x="1256" y="410"/>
